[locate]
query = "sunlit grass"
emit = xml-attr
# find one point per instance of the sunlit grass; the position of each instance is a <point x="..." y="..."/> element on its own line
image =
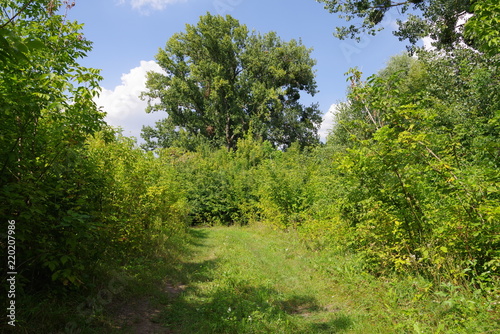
<point x="255" y="280"/>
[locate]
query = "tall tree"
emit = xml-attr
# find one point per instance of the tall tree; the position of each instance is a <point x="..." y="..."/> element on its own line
<point x="223" y="82"/>
<point x="442" y="20"/>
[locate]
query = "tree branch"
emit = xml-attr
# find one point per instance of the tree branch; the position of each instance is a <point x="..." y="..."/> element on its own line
<point x="391" y="5"/>
<point x="17" y="14"/>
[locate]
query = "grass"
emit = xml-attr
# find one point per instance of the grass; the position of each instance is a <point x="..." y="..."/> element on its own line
<point x="244" y="280"/>
<point x="256" y="280"/>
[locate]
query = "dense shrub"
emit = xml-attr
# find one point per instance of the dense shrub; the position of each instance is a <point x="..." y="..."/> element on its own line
<point x="420" y="166"/>
<point x="143" y="202"/>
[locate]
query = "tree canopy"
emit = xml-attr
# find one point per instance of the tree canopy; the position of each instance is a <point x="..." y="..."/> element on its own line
<point x="442" y="20"/>
<point x="223" y="82"/>
<point x="484" y="27"/>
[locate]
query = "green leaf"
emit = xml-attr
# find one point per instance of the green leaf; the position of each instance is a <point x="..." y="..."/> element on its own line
<point x="65" y="259"/>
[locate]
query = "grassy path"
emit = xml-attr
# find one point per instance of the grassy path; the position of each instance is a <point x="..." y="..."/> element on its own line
<point x="255" y="280"/>
<point x="242" y="280"/>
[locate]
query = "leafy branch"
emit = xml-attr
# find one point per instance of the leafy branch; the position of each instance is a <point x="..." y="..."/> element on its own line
<point x="22" y="9"/>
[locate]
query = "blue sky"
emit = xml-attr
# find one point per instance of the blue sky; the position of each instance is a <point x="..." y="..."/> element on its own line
<point x="128" y="33"/>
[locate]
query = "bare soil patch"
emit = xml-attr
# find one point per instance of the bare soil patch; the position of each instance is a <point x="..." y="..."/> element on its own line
<point x="140" y="316"/>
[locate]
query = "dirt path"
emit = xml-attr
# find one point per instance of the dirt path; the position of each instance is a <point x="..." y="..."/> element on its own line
<point x="141" y="315"/>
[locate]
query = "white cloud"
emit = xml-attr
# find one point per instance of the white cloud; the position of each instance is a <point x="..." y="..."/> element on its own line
<point x="123" y="106"/>
<point x="145" y="6"/>
<point x="327" y="124"/>
<point x="427" y="41"/>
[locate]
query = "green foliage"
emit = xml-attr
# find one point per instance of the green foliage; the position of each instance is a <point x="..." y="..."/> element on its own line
<point x="143" y="203"/>
<point x="484" y="26"/>
<point x="212" y="193"/>
<point x="220" y="184"/>
<point x="165" y="135"/>
<point x="77" y="200"/>
<point x="15" y="46"/>
<point x="408" y="177"/>
<point x="408" y="181"/>
<point x="47" y="112"/>
<point x="438" y="19"/>
<point x="284" y="188"/>
<point x="222" y="83"/>
<point x="419" y="169"/>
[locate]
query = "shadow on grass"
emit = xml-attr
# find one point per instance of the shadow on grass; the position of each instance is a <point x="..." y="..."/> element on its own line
<point x="242" y="308"/>
<point x="209" y="303"/>
<point x="197" y="236"/>
<point x="130" y="297"/>
<point x="339" y="324"/>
